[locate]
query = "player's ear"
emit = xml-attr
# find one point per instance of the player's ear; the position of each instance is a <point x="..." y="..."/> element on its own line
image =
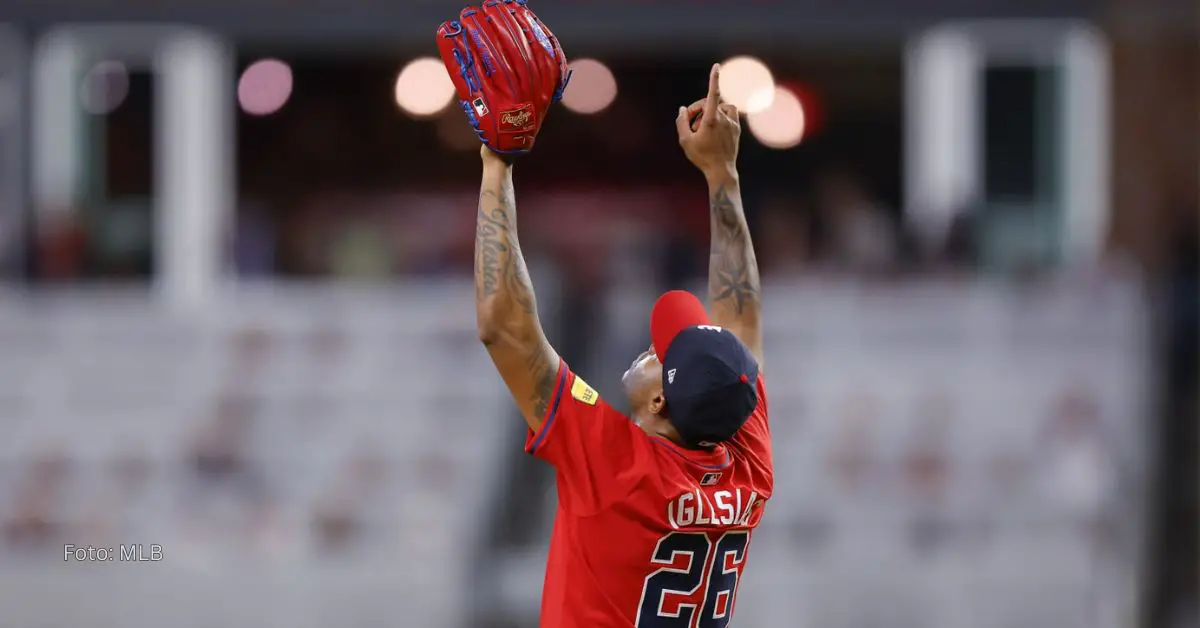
<point x="658" y="404"/>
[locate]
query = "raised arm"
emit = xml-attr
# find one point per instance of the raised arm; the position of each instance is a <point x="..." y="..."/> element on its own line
<point x="709" y="132"/>
<point x="505" y="307"/>
<point x="734" y="292"/>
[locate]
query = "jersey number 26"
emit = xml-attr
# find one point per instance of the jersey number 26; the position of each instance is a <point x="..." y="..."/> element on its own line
<point x="716" y="578"/>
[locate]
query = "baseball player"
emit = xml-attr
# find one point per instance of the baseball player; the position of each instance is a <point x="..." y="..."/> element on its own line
<point x="656" y="509"/>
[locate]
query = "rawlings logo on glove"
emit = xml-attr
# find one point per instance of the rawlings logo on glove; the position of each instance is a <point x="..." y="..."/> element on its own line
<point x="507" y="67"/>
<point x="519" y="120"/>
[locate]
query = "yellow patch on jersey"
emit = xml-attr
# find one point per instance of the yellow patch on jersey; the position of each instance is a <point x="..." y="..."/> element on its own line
<point x="581" y="391"/>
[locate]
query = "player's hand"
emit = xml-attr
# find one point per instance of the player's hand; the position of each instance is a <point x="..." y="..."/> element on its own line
<point x="711" y="141"/>
<point x="492" y="159"/>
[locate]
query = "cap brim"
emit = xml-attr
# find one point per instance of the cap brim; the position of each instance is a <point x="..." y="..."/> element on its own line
<point x="674" y="312"/>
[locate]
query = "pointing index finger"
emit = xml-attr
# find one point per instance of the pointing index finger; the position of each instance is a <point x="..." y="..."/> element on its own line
<point x="714" y="95"/>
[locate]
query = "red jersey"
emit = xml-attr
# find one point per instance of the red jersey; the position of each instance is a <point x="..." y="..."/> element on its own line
<point x="647" y="533"/>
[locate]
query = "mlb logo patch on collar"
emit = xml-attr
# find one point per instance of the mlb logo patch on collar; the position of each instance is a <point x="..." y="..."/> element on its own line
<point x="709" y="479"/>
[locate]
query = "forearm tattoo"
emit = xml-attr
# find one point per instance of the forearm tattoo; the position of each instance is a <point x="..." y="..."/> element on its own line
<point x="503" y="286"/>
<point x="500" y="270"/>
<point x="733" y="281"/>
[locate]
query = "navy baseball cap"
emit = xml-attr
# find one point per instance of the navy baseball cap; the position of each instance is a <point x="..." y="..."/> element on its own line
<point x="709" y="377"/>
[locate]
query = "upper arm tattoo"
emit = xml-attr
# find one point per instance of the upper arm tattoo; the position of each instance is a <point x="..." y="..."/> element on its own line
<point x="546" y="377"/>
<point x="733" y="271"/>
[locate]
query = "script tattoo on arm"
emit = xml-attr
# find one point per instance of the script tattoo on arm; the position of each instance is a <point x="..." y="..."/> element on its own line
<point x="505" y="305"/>
<point x="734" y="291"/>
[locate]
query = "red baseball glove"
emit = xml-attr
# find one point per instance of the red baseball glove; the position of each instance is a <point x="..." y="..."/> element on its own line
<point x="507" y="67"/>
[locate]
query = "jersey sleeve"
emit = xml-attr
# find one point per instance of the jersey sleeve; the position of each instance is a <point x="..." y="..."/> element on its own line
<point x="755" y="436"/>
<point x="597" y="452"/>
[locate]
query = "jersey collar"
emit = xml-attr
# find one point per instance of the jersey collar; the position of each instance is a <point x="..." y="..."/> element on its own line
<point x="716" y="458"/>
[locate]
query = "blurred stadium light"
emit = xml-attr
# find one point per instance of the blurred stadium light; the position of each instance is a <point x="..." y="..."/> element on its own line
<point x="423" y="88"/>
<point x="265" y="87"/>
<point x="747" y="83"/>
<point x="782" y="124"/>
<point x="592" y="89"/>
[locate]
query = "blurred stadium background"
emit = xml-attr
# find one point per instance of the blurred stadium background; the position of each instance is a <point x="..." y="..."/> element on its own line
<point x="236" y="319"/>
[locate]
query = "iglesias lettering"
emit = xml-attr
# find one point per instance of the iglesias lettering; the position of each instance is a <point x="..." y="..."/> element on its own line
<point x="729" y="508"/>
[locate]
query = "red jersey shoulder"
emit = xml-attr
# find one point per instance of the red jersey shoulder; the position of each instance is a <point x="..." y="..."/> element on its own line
<point x="598" y="452"/>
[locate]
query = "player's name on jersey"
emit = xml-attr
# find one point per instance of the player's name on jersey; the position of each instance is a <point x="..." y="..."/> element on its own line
<point x="728" y="508"/>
